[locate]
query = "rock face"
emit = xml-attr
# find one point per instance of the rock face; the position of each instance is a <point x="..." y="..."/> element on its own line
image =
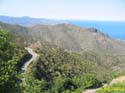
<point x="120" y="79"/>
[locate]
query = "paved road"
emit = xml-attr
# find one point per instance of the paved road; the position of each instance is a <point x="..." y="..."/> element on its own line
<point x="94" y="90"/>
<point x="91" y="90"/>
<point x="34" y="57"/>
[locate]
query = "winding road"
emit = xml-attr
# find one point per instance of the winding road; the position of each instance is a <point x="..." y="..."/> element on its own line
<point x="34" y="57"/>
<point x="94" y="90"/>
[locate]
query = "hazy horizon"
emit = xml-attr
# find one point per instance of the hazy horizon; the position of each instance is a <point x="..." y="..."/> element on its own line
<point x="99" y="10"/>
<point x="65" y="19"/>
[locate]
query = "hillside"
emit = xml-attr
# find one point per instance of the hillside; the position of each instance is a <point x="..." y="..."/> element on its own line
<point x="74" y="38"/>
<point x="67" y="36"/>
<point x="19" y="34"/>
<point x="92" y="44"/>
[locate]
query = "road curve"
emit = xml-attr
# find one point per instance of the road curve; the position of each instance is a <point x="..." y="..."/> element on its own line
<point x="34" y="57"/>
<point x="91" y="90"/>
<point x="94" y="90"/>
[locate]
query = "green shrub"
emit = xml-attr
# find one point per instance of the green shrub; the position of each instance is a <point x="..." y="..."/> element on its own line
<point x="115" y="88"/>
<point x="10" y="55"/>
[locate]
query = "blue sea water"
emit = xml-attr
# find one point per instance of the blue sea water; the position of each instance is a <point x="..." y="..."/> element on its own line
<point x="112" y="28"/>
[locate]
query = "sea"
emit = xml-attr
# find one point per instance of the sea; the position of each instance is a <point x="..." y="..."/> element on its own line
<point x="114" y="29"/>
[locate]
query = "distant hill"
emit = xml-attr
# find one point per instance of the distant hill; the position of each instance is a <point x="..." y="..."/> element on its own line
<point x="28" y="21"/>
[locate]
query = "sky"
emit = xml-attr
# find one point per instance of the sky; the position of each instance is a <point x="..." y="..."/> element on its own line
<point x="65" y="9"/>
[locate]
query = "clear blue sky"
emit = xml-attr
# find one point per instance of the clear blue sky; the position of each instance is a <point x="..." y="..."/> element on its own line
<point x="65" y="9"/>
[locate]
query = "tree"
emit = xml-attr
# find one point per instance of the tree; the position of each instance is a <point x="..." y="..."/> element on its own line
<point x="9" y="56"/>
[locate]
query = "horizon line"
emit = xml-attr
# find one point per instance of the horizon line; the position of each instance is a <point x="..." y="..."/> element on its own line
<point x="65" y="19"/>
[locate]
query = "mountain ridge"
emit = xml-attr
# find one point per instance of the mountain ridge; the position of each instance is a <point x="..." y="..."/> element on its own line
<point x="29" y="21"/>
<point x="76" y="33"/>
<point x="56" y="33"/>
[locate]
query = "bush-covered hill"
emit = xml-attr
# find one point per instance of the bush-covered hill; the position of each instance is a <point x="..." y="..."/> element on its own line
<point x="78" y="39"/>
<point x="91" y="43"/>
<point x="66" y="36"/>
<point x="60" y="71"/>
